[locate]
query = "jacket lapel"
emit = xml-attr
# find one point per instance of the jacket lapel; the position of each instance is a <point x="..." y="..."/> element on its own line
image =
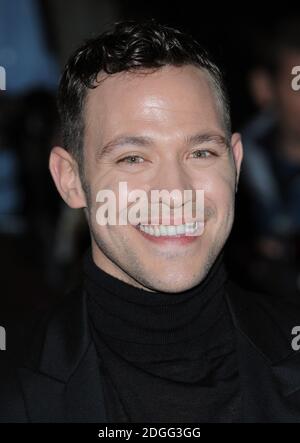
<point x="65" y="370"/>
<point x="264" y="325"/>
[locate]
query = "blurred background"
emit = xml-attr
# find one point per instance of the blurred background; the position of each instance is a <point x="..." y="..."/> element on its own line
<point x="42" y="241"/>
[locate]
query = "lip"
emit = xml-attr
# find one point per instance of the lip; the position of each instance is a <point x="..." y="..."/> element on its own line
<point x="178" y="239"/>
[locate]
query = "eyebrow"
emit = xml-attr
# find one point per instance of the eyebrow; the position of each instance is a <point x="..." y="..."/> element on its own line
<point x="145" y="141"/>
<point x="198" y="139"/>
<point x="123" y="140"/>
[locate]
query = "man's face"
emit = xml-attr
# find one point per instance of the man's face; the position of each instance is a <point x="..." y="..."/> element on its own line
<point x="287" y="100"/>
<point x="157" y="131"/>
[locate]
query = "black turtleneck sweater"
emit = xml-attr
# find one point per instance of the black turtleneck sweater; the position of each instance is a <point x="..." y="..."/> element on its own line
<point x="164" y="357"/>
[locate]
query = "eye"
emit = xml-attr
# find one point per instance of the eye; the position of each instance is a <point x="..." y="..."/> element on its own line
<point x="131" y="159"/>
<point x="202" y="153"/>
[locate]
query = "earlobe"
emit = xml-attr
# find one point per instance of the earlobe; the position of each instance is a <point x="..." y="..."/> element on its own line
<point x="237" y="149"/>
<point x="64" y="171"/>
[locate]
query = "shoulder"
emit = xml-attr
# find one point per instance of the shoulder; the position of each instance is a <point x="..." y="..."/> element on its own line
<point x="267" y="321"/>
<point x="27" y="350"/>
<point x="282" y="306"/>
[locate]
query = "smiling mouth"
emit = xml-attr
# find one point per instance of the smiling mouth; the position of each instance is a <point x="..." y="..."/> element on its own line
<point x="186" y="229"/>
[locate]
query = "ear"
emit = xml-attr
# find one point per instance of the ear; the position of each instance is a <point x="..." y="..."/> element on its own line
<point x="237" y="150"/>
<point x="64" y="171"/>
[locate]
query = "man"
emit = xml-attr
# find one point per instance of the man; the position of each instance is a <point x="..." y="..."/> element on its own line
<point x="271" y="165"/>
<point x="156" y="333"/>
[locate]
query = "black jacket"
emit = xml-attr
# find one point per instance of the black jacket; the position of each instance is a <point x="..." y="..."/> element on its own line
<point x="61" y="381"/>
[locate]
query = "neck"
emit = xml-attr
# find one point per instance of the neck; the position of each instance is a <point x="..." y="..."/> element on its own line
<point x="104" y="263"/>
<point x="127" y="313"/>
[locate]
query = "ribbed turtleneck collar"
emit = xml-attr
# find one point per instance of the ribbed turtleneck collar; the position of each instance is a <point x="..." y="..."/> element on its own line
<point x="130" y="314"/>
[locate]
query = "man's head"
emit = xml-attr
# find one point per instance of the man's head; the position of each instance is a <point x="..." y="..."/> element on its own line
<point x="277" y="52"/>
<point x="143" y="104"/>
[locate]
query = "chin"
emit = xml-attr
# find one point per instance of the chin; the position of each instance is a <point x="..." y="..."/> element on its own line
<point x="173" y="289"/>
<point x="175" y="285"/>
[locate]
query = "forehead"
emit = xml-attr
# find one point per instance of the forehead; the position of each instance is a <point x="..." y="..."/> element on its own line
<point x="169" y="96"/>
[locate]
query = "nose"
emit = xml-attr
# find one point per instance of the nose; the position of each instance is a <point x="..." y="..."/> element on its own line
<point x="171" y="177"/>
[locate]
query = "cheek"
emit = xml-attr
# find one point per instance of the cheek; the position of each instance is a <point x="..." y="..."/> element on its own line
<point x="219" y="194"/>
<point x="109" y="201"/>
<point x="289" y="102"/>
<point x="219" y="182"/>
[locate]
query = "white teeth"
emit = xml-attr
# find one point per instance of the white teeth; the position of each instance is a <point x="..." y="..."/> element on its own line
<point x="163" y="230"/>
<point x="180" y="229"/>
<point x="169" y="230"/>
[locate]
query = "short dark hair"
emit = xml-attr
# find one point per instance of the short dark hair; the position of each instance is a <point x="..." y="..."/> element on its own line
<point x="128" y="46"/>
